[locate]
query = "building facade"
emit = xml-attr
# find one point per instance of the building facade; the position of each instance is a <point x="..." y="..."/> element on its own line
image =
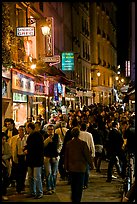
<point x="87" y="30"/>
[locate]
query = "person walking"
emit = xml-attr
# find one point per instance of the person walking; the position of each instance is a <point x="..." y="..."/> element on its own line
<point x="115" y="150"/>
<point x="21" y="159"/>
<point x="61" y="131"/>
<point x="34" y="151"/>
<point x="77" y="156"/>
<point x="52" y="148"/>
<point x="87" y="137"/>
<point x="12" y="133"/>
<point x="98" y="142"/>
<point x="6" y="169"/>
<point x="73" y="123"/>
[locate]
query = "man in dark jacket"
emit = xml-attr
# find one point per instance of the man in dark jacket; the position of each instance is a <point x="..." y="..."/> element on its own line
<point x="77" y="156"/>
<point x="129" y="135"/>
<point x="34" y="157"/>
<point x="115" y="150"/>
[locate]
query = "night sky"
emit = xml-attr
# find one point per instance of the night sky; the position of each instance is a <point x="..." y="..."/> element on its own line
<point x="122" y="32"/>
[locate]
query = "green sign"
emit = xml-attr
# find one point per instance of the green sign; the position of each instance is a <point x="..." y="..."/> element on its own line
<point x="67" y="61"/>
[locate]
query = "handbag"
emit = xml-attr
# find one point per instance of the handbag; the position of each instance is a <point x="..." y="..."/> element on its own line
<point x="98" y="148"/>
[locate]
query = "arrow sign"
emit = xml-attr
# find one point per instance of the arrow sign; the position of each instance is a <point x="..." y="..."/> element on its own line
<point x="55" y="58"/>
<point x="50" y="64"/>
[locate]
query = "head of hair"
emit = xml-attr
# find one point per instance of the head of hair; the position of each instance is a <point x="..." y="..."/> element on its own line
<point x="74" y="122"/>
<point x="131" y="122"/>
<point x="11" y="121"/>
<point x="50" y="125"/>
<point x="114" y="124"/>
<point x="63" y="124"/>
<point x="60" y="111"/>
<point x="83" y="126"/>
<point x="124" y="122"/>
<point x="6" y="120"/>
<point x="95" y="126"/>
<point x="75" y="132"/>
<point x="31" y="125"/>
<point x="38" y="123"/>
<point x="21" y="126"/>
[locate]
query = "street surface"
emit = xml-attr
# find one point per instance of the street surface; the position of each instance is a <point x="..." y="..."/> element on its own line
<point x="98" y="191"/>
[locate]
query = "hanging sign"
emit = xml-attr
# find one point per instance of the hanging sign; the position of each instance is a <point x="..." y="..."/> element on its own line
<point x="25" y="31"/>
<point x="67" y="61"/>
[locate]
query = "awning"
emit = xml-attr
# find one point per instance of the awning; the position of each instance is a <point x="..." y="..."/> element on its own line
<point x="131" y="94"/>
<point x="65" y="80"/>
<point x="124" y="89"/>
<point x="45" y="69"/>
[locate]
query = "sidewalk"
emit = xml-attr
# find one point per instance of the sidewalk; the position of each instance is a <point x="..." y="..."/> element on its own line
<point x="98" y="191"/>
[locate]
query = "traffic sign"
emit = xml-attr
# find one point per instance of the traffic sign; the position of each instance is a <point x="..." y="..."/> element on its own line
<point x="55" y="58"/>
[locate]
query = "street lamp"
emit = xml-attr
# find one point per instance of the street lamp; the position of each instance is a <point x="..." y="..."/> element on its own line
<point x="117" y="78"/>
<point x="98" y="75"/>
<point x="47" y="29"/>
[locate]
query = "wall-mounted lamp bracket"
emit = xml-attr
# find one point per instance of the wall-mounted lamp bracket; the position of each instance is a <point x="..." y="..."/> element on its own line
<point x="31" y="20"/>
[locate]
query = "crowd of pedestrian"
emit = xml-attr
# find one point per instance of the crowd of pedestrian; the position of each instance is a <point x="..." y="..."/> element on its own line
<point x="71" y="145"/>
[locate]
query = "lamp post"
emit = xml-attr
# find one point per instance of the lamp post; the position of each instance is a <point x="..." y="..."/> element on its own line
<point x="47" y="28"/>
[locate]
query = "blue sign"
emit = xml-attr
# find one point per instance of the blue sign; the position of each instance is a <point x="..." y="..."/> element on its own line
<point x="67" y="61"/>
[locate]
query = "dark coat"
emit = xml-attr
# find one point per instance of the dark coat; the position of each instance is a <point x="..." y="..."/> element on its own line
<point x="77" y="156"/>
<point x="14" y="131"/>
<point x="35" y="148"/>
<point x="97" y="136"/>
<point x="115" y="142"/>
<point x="131" y="140"/>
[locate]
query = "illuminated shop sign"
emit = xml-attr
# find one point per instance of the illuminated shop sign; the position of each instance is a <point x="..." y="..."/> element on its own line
<point x="39" y="88"/>
<point x="56" y="98"/>
<point x="59" y="88"/>
<point x="25" y="31"/>
<point x="17" y="97"/>
<point x="51" y="89"/>
<point x="63" y="90"/>
<point x="46" y="84"/>
<point x="23" y="83"/>
<point x="67" y="61"/>
<point x="49" y="38"/>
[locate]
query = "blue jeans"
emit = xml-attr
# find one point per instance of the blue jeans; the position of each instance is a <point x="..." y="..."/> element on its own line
<point x="86" y="175"/>
<point x="35" y="181"/>
<point x="51" y="168"/>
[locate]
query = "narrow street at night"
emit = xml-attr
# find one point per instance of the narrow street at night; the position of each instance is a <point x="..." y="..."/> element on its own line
<point x="98" y="190"/>
<point x="68" y="101"/>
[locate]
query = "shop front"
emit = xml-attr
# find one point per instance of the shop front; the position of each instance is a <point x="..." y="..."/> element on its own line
<point x="39" y="102"/>
<point x="19" y="108"/>
<point x="22" y="88"/>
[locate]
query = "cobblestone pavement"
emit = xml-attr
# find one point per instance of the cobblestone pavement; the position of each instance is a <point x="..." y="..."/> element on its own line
<point x="98" y="190"/>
